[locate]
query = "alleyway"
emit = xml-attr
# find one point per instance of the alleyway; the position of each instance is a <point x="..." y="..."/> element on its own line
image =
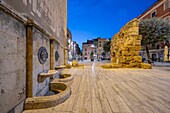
<point x="97" y="90"/>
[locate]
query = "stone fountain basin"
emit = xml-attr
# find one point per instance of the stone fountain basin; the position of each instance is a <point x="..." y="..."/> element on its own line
<point x="61" y="93"/>
<point x="65" y="78"/>
<point x="45" y="74"/>
<point x="60" y="67"/>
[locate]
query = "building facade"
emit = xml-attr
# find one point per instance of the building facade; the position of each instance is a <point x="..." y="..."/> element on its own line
<point x="32" y="32"/>
<point x="87" y="49"/>
<point x="100" y="50"/>
<point x="95" y="46"/>
<point x="161" y="9"/>
<point x="70" y="45"/>
<point x="73" y="50"/>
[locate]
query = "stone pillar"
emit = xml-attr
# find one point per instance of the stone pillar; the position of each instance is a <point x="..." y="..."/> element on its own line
<point x="29" y="58"/>
<point x="65" y="58"/>
<point x="52" y="53"/>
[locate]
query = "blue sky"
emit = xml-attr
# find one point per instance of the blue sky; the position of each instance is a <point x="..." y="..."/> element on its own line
<point x="88" y="19"/>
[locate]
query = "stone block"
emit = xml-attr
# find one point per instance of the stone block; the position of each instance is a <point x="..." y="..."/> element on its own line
<point x="137" y="59"/>
<point x="113" y="59"/>
<point x="146" y="66"/>
<point x="113" y="65"/>
<point x="135" y="53"/>
<point x="138" y="48"/>
<point x="68" y="66"/>
<point x="74" y="63"/>
<point x="134" y="64"/>
<point x="127" y="66"/>
<point x="137" y="43"/>
<point x="106" y="66"/>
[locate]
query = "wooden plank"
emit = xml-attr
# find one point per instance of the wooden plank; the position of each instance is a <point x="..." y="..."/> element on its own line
<point x="100" y="90"/>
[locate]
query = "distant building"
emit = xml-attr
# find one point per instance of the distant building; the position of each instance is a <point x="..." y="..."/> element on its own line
<point x="70" y="44"/>
<point x="87" y="48"/>
<point x="74" y="54"/>
<point x="161" y="9"/>
<point x="100" y="50"/>
<point x="75" y="51"/>
<point x="95" y="46"/>
<point x="73" y="47"/>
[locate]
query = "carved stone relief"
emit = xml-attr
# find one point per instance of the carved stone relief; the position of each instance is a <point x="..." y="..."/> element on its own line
<point x="42" y="55"/>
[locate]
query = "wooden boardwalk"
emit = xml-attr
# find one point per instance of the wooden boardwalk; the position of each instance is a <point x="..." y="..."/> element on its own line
<point x="97" y="90"/>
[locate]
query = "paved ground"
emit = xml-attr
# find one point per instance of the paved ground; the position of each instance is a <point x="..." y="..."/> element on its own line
<point x="161" y="64"/>
<point x="97" y="90"/>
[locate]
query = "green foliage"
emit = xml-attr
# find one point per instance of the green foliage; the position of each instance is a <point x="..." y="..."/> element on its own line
<point x="95" y="43"/>
<point x="154" y="30"/>
<point x="106" y="46"/>
<point x="103" y="54"/>
<point x="78" y="51"/>
<point x="91" y="55"/>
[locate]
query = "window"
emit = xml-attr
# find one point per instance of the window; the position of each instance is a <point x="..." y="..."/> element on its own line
<point x="85" y="49"/>
<point x="153" y="14"/>
<point x="100" y="45"/>
<point x="166" y="5"/>
<point x="85" y="53"/>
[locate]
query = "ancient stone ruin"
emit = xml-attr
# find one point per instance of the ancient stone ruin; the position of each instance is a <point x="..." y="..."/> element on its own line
<point x="125" y="47"/>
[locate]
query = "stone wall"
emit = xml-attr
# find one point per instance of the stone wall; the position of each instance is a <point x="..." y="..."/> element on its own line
<point x="125" y="47"/>
<point x="12" y="64"/>
<point x="126" y="44"/>
<point x="39" y="40"/>
<point x="49" y="21"/>
<point x="57" y="48"/>
<point x="48" y="14"/>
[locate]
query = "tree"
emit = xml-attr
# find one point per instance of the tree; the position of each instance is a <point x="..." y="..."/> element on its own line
<point x="78" y="51"/>
<point x="92" y="56"/>
<point x="106" y="46"/>
<point x="153" y="31"/>
<point x="103" y="54"/>
<point x="95" y="42"/>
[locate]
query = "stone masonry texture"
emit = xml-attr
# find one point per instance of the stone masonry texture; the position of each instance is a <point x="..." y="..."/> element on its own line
<point x="12" y="62"/>
<point x="51" y="16"/>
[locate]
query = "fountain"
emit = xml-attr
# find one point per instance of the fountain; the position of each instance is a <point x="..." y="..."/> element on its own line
<point x="45" y="74"/>
<point x="58" y="93"/>
<point x="49" y="94"/>
<point x="64" y="78"/>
